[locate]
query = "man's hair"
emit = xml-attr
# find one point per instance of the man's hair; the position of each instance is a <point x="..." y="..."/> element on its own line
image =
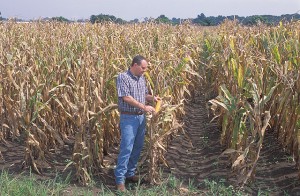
<point x="137" y="59"/>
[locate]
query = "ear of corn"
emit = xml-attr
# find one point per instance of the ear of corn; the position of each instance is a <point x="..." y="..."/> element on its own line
<point x="158" y="105"/>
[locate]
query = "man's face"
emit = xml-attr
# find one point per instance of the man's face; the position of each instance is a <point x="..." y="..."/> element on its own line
<point x="140" y="69"/>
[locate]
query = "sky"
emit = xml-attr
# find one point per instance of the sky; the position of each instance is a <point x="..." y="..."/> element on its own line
<point x="139" y="9"/>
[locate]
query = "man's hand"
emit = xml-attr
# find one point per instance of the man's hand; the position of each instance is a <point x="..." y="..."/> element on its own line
<point x="149" y="108"/>
<point x="151" y="98"/>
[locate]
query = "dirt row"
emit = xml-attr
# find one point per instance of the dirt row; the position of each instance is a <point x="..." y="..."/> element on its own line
<point x="196" y="155"/>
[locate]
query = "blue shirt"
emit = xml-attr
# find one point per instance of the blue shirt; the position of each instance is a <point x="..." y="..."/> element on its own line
<point x="130" y="85"/>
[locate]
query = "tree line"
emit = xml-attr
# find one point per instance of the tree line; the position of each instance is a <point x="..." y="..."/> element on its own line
<point x="201" y="19"/>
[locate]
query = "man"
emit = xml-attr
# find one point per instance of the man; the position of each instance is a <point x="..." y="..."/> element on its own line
<point x="132" y="97"/>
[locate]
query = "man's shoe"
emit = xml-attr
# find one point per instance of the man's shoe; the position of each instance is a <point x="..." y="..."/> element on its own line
<point x="121" y="188"/>
<point x="133" y="179"/>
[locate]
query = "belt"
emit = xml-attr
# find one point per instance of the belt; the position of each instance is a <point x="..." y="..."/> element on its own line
<point x="133" y="113"/>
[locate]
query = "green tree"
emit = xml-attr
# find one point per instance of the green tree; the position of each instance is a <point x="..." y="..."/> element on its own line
<point x="176" y="21"/>
<point x="106" y="18"/>
<point x="201" y="19"/>
<point x="60" y="19"/>
<point x="162" y="19"/>
<point x="134" y="21"/>
<point x="254" y="20"/>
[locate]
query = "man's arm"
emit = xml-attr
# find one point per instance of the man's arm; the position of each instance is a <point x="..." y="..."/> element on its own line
<point x="130" y="100"/>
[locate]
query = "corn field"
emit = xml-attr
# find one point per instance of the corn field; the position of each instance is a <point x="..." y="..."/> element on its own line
<point x="58" y="87"/>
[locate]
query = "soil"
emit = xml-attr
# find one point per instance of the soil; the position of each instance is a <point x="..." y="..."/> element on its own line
<point x="197" y="155"/>
<point x="194" y="155"/>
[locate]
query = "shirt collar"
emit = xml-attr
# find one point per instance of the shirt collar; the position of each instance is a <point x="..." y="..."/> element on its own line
<point x="132" y="76"/>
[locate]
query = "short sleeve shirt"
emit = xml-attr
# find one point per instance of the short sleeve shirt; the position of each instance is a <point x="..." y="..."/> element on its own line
<point x="130" y="85"/>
